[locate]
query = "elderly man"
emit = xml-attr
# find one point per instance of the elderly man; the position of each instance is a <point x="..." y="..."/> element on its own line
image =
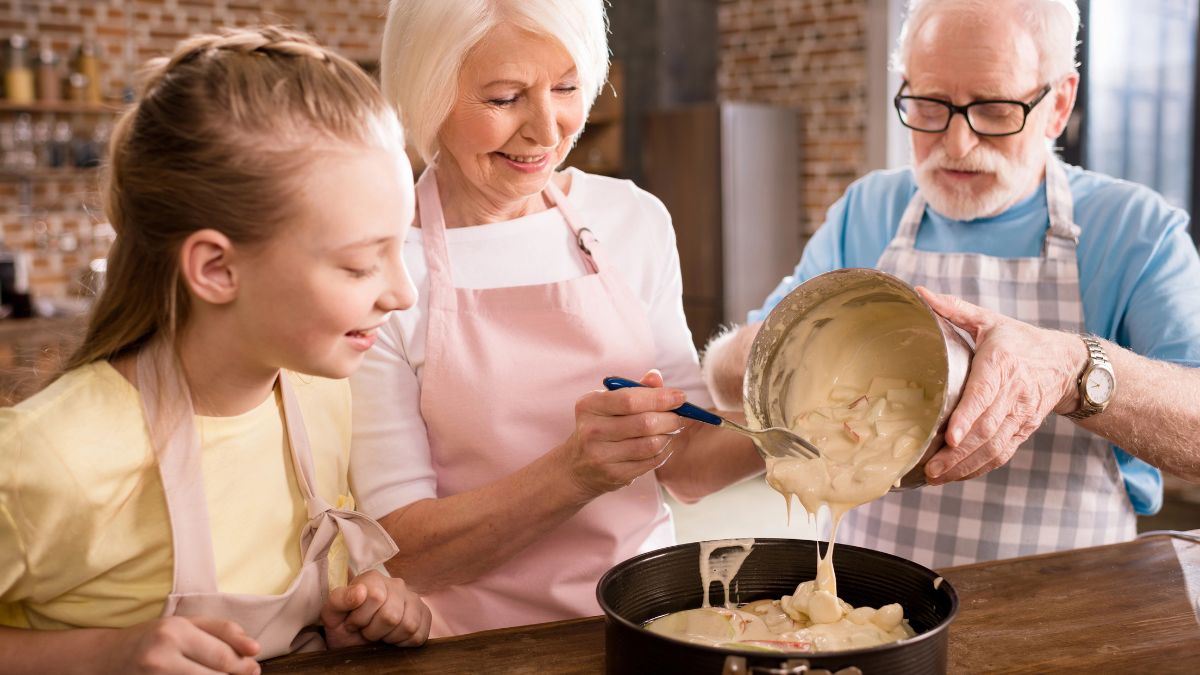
<point x="1081" y="291"/>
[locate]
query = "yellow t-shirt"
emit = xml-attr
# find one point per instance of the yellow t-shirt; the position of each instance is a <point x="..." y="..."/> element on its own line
<point x="85" y="540"/>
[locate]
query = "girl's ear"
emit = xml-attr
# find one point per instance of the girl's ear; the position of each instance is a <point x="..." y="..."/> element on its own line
<point x="206" y="265"/>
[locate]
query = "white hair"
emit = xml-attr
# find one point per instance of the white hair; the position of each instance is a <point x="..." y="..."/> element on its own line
<point x="425" y="43"/>
<point x="1053" y="25"/>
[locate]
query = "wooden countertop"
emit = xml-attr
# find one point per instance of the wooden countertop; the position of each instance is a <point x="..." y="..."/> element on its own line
<point x="1130" y="607"/>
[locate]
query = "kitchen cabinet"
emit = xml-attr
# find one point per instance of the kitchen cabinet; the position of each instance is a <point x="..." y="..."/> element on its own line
<point x="599" y="149"/>
<point x="730" y="176"/>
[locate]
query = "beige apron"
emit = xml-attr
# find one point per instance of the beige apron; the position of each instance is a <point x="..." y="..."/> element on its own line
<point x="280" y="623"/>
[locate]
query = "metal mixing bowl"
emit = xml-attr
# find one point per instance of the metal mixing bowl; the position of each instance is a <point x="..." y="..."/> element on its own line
<point x="770" y="376"/>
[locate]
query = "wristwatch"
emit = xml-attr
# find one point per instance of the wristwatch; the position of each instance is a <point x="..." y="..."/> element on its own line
<point x="1097" y="383"/>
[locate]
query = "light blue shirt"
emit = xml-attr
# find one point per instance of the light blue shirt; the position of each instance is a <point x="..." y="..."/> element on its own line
<point x="1139" y="272"/>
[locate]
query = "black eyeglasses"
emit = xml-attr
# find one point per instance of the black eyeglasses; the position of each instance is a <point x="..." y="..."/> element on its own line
<point x="986" y="118"/>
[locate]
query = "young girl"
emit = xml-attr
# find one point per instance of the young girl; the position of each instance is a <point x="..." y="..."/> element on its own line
<point x="177" y="501"/>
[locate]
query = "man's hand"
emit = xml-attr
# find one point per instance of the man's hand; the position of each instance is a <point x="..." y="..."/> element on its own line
<point x="1019" y="375"/>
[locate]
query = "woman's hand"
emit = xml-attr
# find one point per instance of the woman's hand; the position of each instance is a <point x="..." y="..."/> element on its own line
<point x="375" y="608"/>
<point x="183" y="645"/>
<point x="1019" y="375"/>
<point x="620" y="435"/>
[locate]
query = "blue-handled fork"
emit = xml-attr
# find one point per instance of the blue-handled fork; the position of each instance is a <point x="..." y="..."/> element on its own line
<point x="771" y="442"/>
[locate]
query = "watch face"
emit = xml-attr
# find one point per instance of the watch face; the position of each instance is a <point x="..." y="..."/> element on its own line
<point x="1099" y="385"/>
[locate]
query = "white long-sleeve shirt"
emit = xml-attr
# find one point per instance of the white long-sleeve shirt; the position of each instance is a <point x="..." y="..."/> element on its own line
<point x="390" y="465"/>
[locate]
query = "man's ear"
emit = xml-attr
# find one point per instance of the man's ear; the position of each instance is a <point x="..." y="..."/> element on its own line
<point x="1062" y="98"/>
<point x="206" y="266"/>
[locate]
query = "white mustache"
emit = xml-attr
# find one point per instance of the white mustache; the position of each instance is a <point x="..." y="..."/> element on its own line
<point x="981" y="160"/>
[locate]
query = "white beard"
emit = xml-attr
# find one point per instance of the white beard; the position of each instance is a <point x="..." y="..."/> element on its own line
<point x="1011" y="181"/>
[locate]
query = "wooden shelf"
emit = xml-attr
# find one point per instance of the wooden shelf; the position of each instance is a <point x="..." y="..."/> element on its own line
<point x="72" y="173"/>
<point x="62" y="107"/>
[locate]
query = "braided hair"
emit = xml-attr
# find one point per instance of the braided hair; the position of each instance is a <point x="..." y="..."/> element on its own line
<point x="219" y="138"/>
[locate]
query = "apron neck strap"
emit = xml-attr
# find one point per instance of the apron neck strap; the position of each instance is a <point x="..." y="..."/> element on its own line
<point x="585" y="240"/>
<point x="1061" y="237"/>
<point x="433" y="233"/>
<point x="297" y="438"/>
<point x="170" y="419"/>
<point x="1063" y="234"/>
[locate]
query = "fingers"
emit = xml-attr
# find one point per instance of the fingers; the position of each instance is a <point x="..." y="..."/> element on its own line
<point x="974" y="449"/>
<point x="652" y="378"/>
<point x="630" y="401"/>
<point x="636" y="426"/>
<point x="374" y="617"/>
<point x="219" y="645"/>
<point x="228" y="632"/>
<point x="390" y="613"/>
<point x="979" y="397"/>
<point x="991" y="455"/>
<point x="341" y="601"/>
<point x="416" y="612"/>
<point x="957" y="311"/>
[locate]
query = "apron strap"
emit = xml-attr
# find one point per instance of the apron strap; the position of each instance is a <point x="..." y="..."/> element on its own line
<point x="585" y="240"/>
<point x="167" y="405"/>
<point x="297" y="438"/>
<point x="1062" y="235"/>
<point x="433" y="235"/>
<point x="170" y="417"/>
<point x="910" y="222"/>
<point x="437" y="252"/>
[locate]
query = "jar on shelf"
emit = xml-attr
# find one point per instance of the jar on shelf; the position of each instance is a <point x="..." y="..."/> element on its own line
<point x="61" y="140"/>
<point x="88" y="65"/>
<point x="18" y="76"/>
<point x="23" y="148"/>
<point x="77" y="87"/>
<point x="49" y="76"/>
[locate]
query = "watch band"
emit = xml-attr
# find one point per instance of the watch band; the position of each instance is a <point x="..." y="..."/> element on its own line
<point x="1097" y="358"/>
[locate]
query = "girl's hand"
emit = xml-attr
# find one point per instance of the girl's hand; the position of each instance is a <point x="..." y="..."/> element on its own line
<point x="184" y="645"/>
<point x="620" y="435"/>
<point x="375" y="608"/>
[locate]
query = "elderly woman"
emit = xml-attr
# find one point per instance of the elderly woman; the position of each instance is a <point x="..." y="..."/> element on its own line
<point x="507" y="501"/>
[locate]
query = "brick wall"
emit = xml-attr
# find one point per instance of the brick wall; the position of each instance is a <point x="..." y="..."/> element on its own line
<point x="55" y="216"/>
<point x="809" y="55"/>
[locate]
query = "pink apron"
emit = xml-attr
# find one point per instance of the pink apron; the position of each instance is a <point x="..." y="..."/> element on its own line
<point x="503" y="369"/>
<point x="280" y="623"/>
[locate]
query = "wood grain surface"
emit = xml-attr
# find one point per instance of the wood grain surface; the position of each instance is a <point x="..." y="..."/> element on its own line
<point x="1123" y="608"/>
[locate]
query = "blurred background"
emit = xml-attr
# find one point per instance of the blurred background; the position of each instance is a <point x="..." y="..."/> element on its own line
<point x="748" y="118"/>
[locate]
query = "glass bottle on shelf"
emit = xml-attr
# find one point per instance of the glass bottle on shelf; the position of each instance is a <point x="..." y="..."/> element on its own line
<point x="77" y="85"/>
<point x="86" y="152"/>
<point x="18" y="76"/>
<point x="23" y="148"/>
<point x="8" y="155"/>
<point x="42" y="143"/>
<point x="60" y="145"/>
<point x="88" y="65"/>
<point x="49" y="77"/>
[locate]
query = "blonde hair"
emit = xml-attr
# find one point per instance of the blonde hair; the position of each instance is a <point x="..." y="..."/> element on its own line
<point x="217" y="140"/>
<point x="1053" y="25"/>
<point x="425" y="43"/>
